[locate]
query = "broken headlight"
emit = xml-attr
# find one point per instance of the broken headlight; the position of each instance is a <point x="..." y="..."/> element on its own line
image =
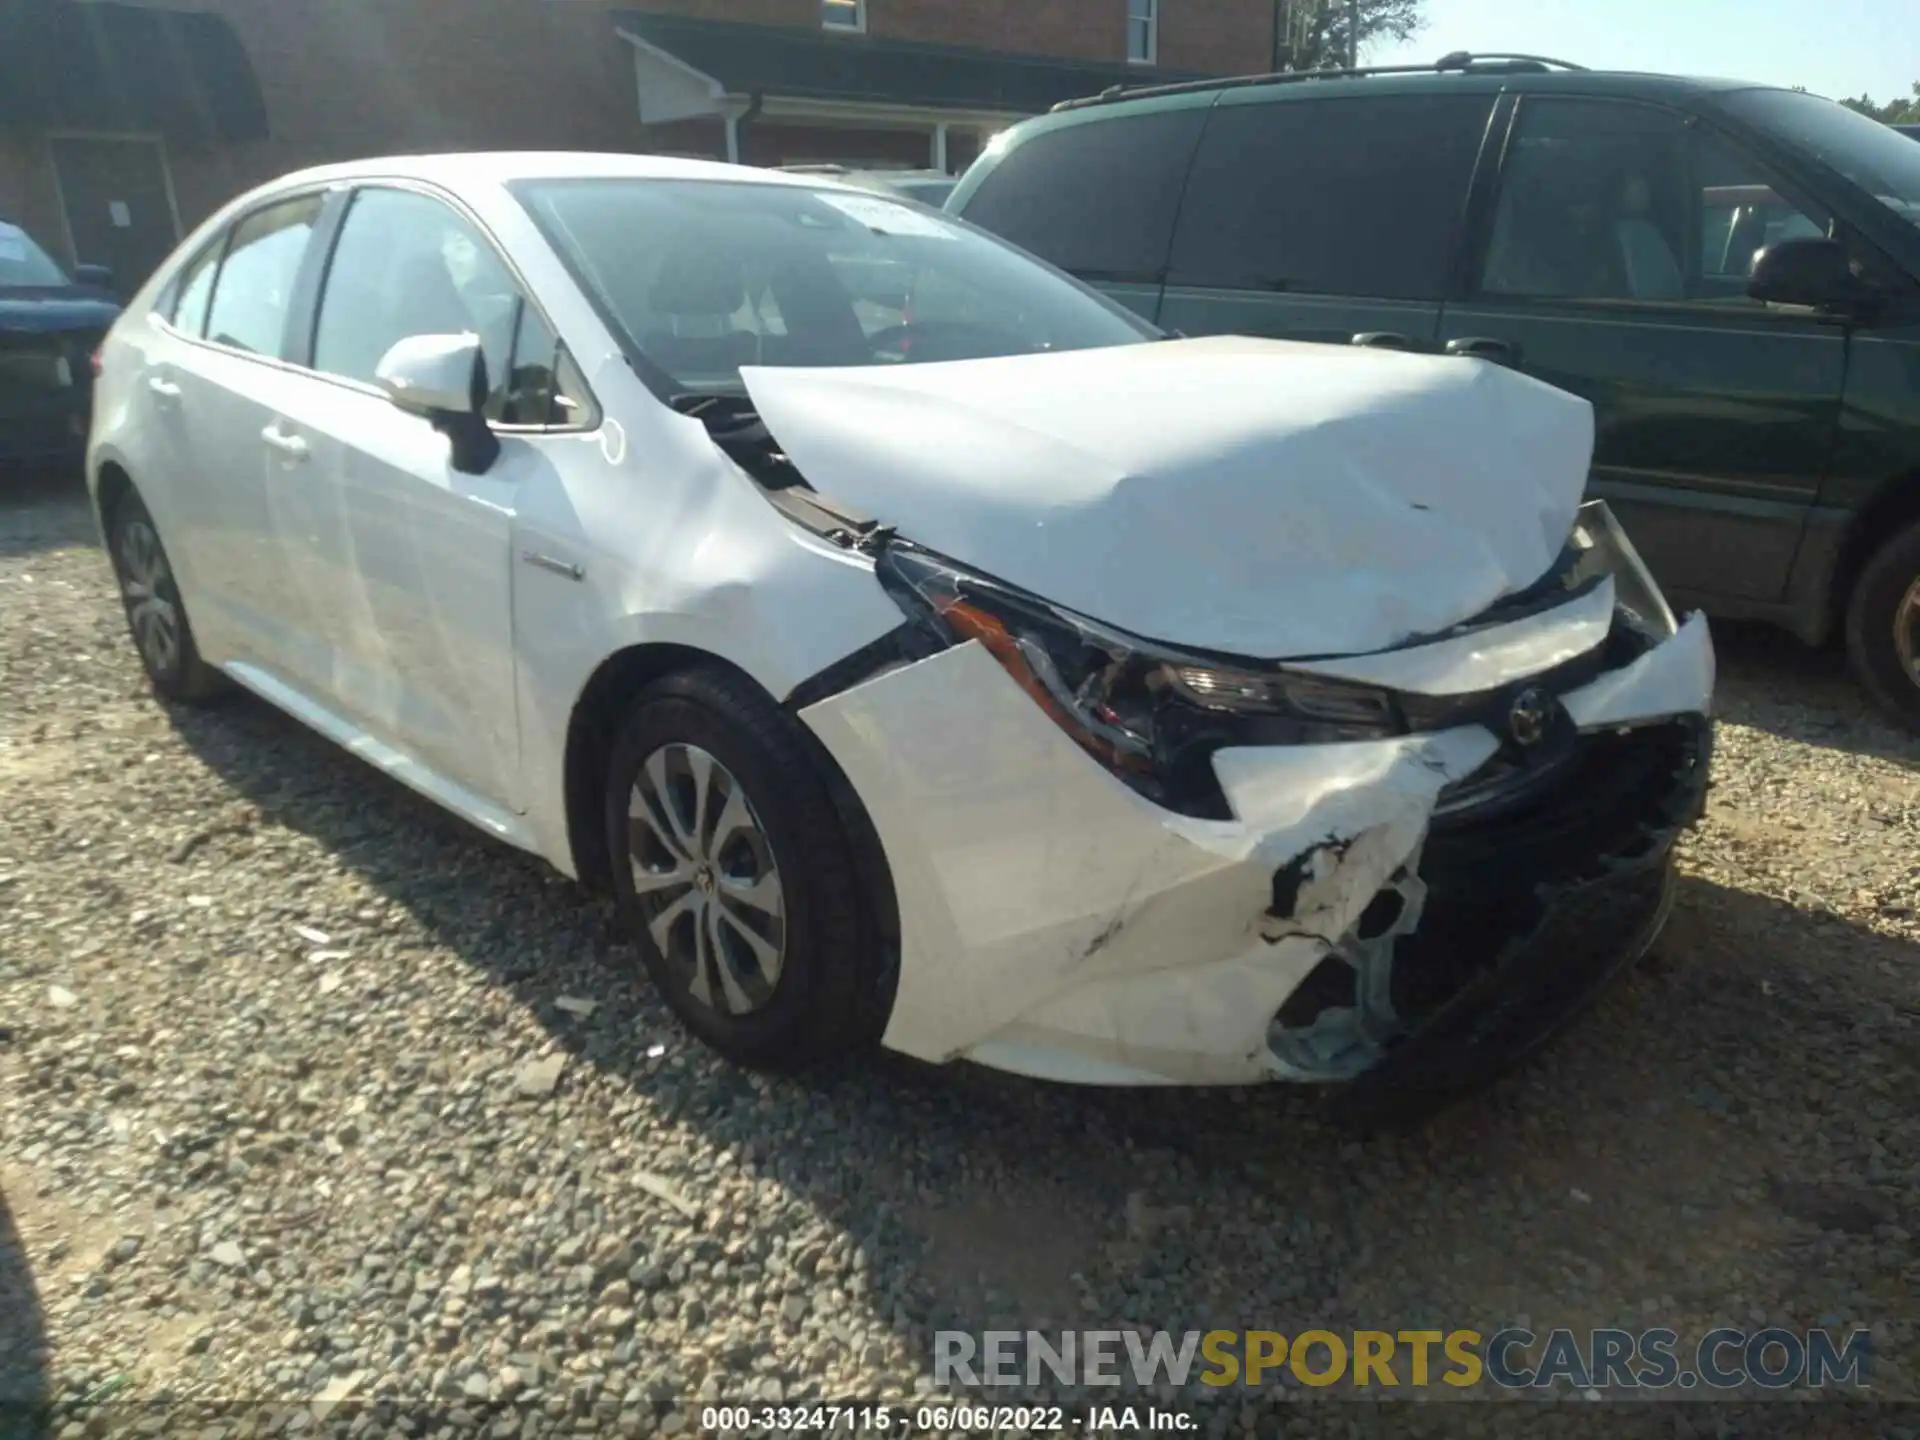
<point x="1152" y="715"/>
<point x="1602" y="548"/>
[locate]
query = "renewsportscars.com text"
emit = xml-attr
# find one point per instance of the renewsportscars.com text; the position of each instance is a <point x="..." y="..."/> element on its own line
<point x="1511" y="1359"/>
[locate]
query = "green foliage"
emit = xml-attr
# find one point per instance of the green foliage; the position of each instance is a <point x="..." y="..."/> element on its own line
<point x="1894" y="112"/>
<point x="1313" y="34"/>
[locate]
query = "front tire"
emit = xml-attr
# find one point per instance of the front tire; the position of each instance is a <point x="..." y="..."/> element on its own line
<point x="156" y="615"/>
<point x="1883" y="627"/>
<point x="734" y="874"/>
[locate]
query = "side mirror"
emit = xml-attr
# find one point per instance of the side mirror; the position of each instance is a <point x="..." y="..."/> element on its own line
<point x="443" y="379"/>
<point x="100" y="277"/>
<point x="1808" y="271"/>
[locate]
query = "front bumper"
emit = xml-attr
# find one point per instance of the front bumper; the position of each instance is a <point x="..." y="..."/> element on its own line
<point x="1056" y="924"/>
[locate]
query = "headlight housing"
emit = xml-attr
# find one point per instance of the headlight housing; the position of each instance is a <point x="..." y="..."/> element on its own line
<point x="1155" y="715"/>
<point x="1151" y="714"/>
<point x="1599" y="547"/>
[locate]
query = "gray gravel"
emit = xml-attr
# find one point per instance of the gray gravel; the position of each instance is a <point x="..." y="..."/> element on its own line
<point x="309" y="1092"/>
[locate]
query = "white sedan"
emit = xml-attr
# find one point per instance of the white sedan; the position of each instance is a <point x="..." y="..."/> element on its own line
<point x="922" y="648"/>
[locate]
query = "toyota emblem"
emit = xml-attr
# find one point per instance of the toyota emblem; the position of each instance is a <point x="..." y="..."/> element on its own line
<point x="1527" y="721"/>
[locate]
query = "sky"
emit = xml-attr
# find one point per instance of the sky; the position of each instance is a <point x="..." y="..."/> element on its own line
<point x="1833" y="47"/>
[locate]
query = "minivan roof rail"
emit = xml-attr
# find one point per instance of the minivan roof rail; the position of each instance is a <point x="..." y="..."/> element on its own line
<point x="1460" y="61"/>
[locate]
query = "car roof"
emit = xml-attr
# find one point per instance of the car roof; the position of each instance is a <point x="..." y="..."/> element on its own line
<point x="498" y="167"/>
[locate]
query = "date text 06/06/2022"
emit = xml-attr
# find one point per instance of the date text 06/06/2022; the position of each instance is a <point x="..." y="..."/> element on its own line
<point x="943" y="1419"/>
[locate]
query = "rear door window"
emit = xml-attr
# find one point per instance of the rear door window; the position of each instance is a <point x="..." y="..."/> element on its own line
<point x="1357" y="196"/>
<point x="195" y="289"/>
<point x="255" y="288"/>
<point x="1098" y="198"/>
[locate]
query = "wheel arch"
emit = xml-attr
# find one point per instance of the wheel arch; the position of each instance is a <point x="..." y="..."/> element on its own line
<point x="1894" y="506"/>
<point x="595" y="719"/>
<point x="111" y="485"/>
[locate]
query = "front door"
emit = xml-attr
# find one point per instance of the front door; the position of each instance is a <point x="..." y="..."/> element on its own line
<point x="410" y="558"/>
<point x="118" y="204"/>
<point x="1615" y="267"/>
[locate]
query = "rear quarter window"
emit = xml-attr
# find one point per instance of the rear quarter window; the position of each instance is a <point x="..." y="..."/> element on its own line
<point x="1097" y="198"/>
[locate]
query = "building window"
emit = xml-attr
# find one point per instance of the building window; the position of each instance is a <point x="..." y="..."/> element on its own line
<point x="1143" y="31"/>
<point x="844" y="14"/>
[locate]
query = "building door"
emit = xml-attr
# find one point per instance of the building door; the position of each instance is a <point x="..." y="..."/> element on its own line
<point x="118" y="203"/>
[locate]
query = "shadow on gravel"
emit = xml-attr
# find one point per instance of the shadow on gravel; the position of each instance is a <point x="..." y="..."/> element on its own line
<point x="23" y="1330"/>
<point x="1657" y="1150"/>
<point x="43" y="509"/>
<point x="1771" y="681"/>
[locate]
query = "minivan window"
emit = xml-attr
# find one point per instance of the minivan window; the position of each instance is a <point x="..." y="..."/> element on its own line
<point x="1601" y="200"/>
<point x="1359" y="196"/>
<point x="1097" y="198"/>
<point x="1877" y="158"/>
<point x="407" y="264"/>
<point x="701" y="277"/>
<point x="23" y="263"/>
<point x="255" y="287"/>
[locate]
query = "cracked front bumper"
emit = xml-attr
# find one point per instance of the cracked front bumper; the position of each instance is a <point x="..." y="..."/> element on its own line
<point x="1057" y="924"/>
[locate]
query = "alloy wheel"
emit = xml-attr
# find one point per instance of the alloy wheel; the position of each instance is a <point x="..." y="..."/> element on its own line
<point x="706" y="879"/>
<point x="146" y="584"/>
<point x="1906" y="632"/>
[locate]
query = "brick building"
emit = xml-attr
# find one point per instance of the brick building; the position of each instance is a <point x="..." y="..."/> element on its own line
<point x="123" y="122"/>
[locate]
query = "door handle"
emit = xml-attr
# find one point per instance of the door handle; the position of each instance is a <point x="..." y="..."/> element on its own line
<point x="291" y="446"/>
<point x="1485" y="347"/>
<point x="1383" y="340"/>
<point x="165" y="389"/>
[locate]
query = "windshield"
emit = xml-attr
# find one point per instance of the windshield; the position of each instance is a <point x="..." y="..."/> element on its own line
<point x="703" y="277"/>
<point x="24" y="263"/>
<point x="1873" y="156"/>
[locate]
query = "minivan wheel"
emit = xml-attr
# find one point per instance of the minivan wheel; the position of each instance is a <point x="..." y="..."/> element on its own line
<point x="156" y="615"/>
<point x="735" y="877"/>
<point x="1883" y="627"/>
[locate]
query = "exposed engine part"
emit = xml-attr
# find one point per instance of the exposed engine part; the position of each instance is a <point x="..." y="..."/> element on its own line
<point x="1342" y="1019"/>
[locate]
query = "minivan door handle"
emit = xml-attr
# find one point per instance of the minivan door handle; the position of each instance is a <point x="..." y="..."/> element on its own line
<point x="1485" y="347"/>
<point x="163" y="389"/>
<point x="291" y="446"/>
<point x="1383" y="340"/>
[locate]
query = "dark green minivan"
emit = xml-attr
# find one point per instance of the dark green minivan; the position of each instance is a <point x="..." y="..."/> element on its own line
<point x="1729" y="273"/>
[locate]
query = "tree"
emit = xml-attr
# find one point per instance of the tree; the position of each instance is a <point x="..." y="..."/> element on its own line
<point x="1894" y="112"/>
<point x="1314" y="34"/>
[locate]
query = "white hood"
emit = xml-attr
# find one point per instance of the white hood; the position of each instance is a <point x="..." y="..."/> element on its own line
<point x="1257" y="497"/>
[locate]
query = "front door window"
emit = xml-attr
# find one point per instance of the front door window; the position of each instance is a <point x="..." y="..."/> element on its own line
<point x="1604" y="201"/>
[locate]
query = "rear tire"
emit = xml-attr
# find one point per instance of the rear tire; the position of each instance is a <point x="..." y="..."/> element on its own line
<point x="733" y="872"/>
<point x="1883" y="627"/>
<point x="156" y="615"/>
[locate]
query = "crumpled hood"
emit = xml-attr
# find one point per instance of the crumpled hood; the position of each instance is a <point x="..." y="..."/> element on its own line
<point x="1258" y="497"/>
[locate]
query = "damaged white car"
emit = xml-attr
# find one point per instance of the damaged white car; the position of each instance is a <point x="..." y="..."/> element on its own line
<point x="923" y="649"/>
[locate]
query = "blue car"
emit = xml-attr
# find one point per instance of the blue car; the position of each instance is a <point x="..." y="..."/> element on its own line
<point x="50" y="325"/>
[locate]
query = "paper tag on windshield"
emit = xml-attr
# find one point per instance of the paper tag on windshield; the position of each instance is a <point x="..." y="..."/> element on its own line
<point x="13" y="242"/>
<point x="887" y="217"/>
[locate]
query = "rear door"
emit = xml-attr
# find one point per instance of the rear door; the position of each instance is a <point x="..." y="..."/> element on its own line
<point x="1333" y="219"/>
<point x="1096" y="197"/>
<point x="1614" y="265"/>
<point x="212" y="391"/>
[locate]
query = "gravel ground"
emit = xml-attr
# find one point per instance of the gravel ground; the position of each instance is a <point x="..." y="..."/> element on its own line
<point x="308" y="1090"/>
